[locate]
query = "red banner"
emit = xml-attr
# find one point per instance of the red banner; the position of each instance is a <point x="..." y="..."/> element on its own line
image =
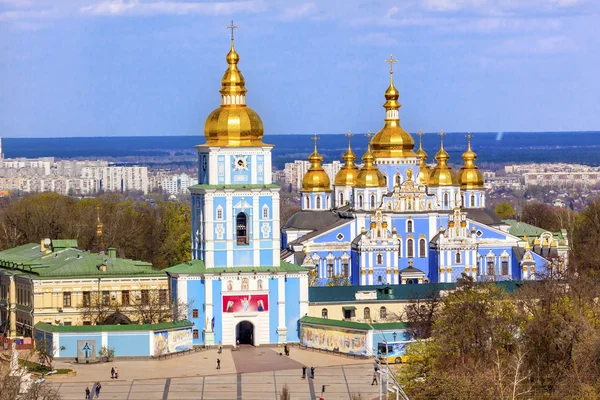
<point x="246" y="303"/>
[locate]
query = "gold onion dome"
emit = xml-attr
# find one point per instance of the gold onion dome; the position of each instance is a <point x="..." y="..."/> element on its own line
<point x="233" y="124"/>
<point x="347" y="175"/>
<point x="392" y="140"/>
<point x="316" y="179"/>
<point x="442" y="174"/>
<point x="369" y="175"/>
<point x="424" y="170"/>
<point x="469" y="175"/>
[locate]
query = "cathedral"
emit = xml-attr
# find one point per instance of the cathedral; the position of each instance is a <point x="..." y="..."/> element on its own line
<point x="395" y="220"/>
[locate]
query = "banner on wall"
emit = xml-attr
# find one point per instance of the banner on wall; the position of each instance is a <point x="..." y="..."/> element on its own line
<point x="172" y="341"/>
<point x="333" y="339"/>
<point x="246" y="303"/>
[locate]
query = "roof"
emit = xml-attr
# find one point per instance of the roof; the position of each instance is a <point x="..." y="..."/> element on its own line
<point x="318" y="232"/>
<point x="69" y="262"/>
<point x="483" y="215"/>
<point x="341" y="294"/>
<point x="42" y="326"/>
<point x="236" y="186"/>
<point x="521" y="229"/>
<point x="411" y="269"/>
<point x="198" y="267"/>
<point x="353" y="325"/>
<point x="311" y="220"/>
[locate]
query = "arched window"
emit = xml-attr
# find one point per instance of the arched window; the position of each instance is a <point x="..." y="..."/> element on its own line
<point x="324" y="313"/>
<point x="241" y="228"/>
<point x="265" y="212"/>
<point x="422" y="248"/>
<point x="379" y="279"/>
<point x="341" y="199"/>
<point x="382" y="313"/>
<point x="318" y="202"/>
<point x="410" y="251"/>
<point x="379" y="258"/>
<point x="307" y="201"/>
<point x="327" y="201"/>
<point x="372" y="201"/>
<point x="472" y="201"/>
<point x="367" y="313"/>
<point x="409" y="226"/>
<point x="360" y="201"/>
<point x="385" y="179"/>
<point x="219" y="213"/>
<point x="330" y="268"/>
<point x="462" y="200"/>
<point x="457" y="257"/>
<point x="398" y="180"/>
<point x="446" y="200"/>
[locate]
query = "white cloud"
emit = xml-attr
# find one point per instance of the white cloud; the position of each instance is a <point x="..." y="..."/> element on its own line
<point x="550" y="45"/>
<point x="25" y="14"/>
<point x="377" y="39"/>
<point x="301" y="11"/>
<point x="139" y="7"/>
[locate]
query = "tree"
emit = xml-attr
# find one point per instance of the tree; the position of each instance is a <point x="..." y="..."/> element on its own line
<point x="46" y="351"/>
<point x="338" y="280"/>
<point x="11" y="386"/>
<point x="421" y="312"/>
<point x="106" y="353"/>
<point x="539" y="214"/>
<point x="504" y="210"/>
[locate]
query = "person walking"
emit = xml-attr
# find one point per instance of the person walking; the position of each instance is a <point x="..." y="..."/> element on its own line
<point x="218" y="363"/>
<point x="116" y="373"/>
<point x="98" y="387"/>
<point x="220" y="348"/>
<point x="304" y="372"/>
<point x="87" y="393"/>
<point x="374" y="382"/>
<point x="312" y="372"/>
<point x="112" y="373"/>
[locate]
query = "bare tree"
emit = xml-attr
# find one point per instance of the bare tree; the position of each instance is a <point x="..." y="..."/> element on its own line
<point x="12" y="386"/>
<point x="421" y="313"/>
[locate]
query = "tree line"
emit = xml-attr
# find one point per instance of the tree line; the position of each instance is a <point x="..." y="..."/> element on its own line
<point x="158" y="233"/>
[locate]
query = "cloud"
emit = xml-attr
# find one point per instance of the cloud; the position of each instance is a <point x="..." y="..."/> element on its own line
<point x="141" y="8"/>
<point x="17" y="15"/>
<point x="550" y="45"/>
<point x="377" y="39"/>
<point x="300" y="11"/>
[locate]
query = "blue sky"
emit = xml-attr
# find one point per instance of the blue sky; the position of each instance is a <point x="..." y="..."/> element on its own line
<point x="153" y="67"/>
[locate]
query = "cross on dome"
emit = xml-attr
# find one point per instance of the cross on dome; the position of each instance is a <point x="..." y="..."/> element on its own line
<point x="391" y="61"/>
<point x="233" y="28"/>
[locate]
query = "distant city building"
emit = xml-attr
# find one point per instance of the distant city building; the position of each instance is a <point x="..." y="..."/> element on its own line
<point x="294" y="172"/>
<point x="177" y="184"/>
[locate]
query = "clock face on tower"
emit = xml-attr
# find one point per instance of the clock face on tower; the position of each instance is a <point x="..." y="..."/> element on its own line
<point x="240" y="163"/>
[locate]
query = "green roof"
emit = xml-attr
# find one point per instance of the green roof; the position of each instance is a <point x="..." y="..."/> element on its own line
<point x="353" y="325"/>
<point x="386" y="293"/>
<point x="198" y="267"/>
<point x="42" y="326"/>
<point x="65" y="261"/>
<point x="235" y="186"/>
<point x="522" y="229"/>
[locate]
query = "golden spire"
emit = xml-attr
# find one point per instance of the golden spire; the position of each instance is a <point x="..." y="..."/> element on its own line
<point x="316" y="179"/>
<point x="469" y="175"/>
<point x="233" y="124"/>
<point x="442" y="174"/>
<point x="99" y="227"/>
<point x="369" y="175"/>
<point x="392" y="141"/>
<point x="424" y="170"/>
<point x="347" y="175"/>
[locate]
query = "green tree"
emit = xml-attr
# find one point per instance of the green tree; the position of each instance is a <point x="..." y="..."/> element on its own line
<point x="504" y="210"/>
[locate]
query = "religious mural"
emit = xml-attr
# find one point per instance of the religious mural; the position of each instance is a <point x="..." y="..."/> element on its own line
<point x="172" y="341"/>
<point x="246" y="303"/>
<point x="333" y="339"/>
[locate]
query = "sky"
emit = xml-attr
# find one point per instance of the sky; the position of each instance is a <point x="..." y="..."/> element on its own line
<point x="153" y="67"/>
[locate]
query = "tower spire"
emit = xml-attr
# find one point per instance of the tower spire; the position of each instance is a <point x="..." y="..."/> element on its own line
<point x="391" y="61"/>
<point x="233" y="27"/>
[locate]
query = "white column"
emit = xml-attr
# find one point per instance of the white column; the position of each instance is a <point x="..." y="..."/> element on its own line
<point x="254" y="169"/>
<point x="208" y="296"/>
<point x="151" y="343"/>
<point x="303" y="295"/>
<point x="56" y="344"/>
<point x="228" y="169"/>
<point x="281" y="328"/>
<point x="256" y="228"/>
<point x="229" y="227"/>
<point x="104" y="339"/>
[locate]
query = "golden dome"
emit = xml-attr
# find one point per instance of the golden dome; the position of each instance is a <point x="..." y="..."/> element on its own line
<point x="392" y="140"/>
<point x="424" y="170"/>
<point x="442" y="174"/>
<point x="347" y="175"/>
<point x="469" y="175"/>
<point x="369" y="175"/>
<point x="233" y="124"/>
<point x="316" y="179"/>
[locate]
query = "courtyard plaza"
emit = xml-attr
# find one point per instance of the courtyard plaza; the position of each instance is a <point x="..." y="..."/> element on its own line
<point x="250" y="373"/>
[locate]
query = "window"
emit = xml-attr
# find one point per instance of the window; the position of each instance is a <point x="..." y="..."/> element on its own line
<point x="360" y="201"/>
<point x="398" y="180"/>
<point x="195" y="333"/>
<point x="195" y="313"/>
<point x="462" y="200"/>
<point x="367" y="313"/>
<point x="445" y="199"/>
<point x="348" y="314"/>
<point x="318" y="202"/>
<point x="162" y="296"/>
<point x="345" y="269"/>
<point x="382" y="313"/>
<point x="372" y="201"/>
<point x="67" y="299"/>
<point x="219" y="213"/>
<point x="125" y="297"/>
<point x="422" y="248"/>
<point x="265" y="212"/>
<point x="87" y="323"/>
<point x="307" y="201"/>
<point x="379" y="258"/>
<point x="409" y="226"/>
<point x="341" y="199"/>
<point x="324" y="313"/>
<point x="86" y="299"/>
<point x="409" y="249"/>
<point x="241" y="228"/>
<point x="490" y="266"/>
<point x="379" y="280"/>
<point x="504" y="267"/>
<point x="472" y="201"/>
<point x="457" y="258"/>
<point x="204" y="163"/>
<point x="105" y="297"/>
<point x="330" y="269"/>
<point x="67" y="323"/>
<point x="145" y="296"/>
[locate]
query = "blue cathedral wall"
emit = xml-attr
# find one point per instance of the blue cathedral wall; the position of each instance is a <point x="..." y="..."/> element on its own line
<point x="217" y="310"/>
<point x="196" y="300"/>
<point x="292" y="308"/>
<point x="273" y="310"/>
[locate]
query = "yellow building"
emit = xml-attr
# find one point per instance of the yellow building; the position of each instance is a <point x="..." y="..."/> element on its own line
<point x="55" y="283"/>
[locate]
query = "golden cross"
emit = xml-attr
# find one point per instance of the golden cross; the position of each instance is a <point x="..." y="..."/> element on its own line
<point x="420" y="133"/>
<point x="391" y="61"/>
<point x="315" y="138"/>
<point x="442" y="134"/>
<point x="349" y="136"/>
<point x="232" y="27"/>
<point x="368" y="135"/>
